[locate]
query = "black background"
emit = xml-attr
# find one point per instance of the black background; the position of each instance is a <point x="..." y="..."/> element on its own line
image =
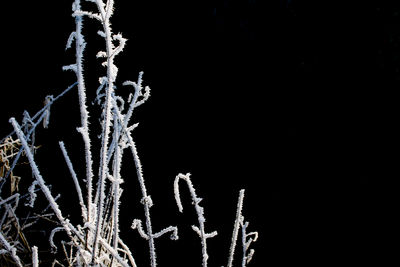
<point x="292" y="100"/>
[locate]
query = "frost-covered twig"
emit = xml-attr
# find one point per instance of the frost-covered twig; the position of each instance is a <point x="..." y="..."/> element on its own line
<point x="51" y="238"/>
<point x="80" y="45"/>
<point x="239" y="223"/>
<point x="42" y="114"/>
<point x="12" y="197"/>
<point x="253" y="236"/>
<point x="199" y="210"/>
<point x="45" y="189"/>
<point x="134" y="102"/>
<point x="114" y="253"/>
<point x="111" y="76"/>
<point x="35" y="257"/>
<point x="75" y="179"/>
<point x="127" y="252"/>
<point x="236" y="227"/>
<point x="44" y="109"/>
<point x="11" y="250"/>
<point x="46" y="119"/>
<point x="146" y="199"/>
<point x="138" y="93"/>
<point x="116" y="183"/>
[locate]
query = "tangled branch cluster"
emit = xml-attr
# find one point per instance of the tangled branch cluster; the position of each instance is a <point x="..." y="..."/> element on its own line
<point x="96" y="239"/>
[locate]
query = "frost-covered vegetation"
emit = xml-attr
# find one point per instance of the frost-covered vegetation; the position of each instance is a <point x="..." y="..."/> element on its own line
<point x="95" y="240"/>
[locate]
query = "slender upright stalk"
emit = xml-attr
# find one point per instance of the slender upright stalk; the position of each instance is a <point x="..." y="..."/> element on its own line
<point x="105" y="16"/>
<point x="80" y="45"/>
<point x="116" y="182"/>
<point x="146" y="199"/>
<point x="200" y="213"/>
<point x="75" y="179"/>
<point x="236" y="227"/>
<point x="35" y="257"/>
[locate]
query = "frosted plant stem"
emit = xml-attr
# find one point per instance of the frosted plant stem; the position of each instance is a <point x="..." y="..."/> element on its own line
<point x="146" y="199"/>
<point x="54" y="100"/>
<point x="3" y="201"/>
<point x="75" y="179"/>
<point x="46" y="107"/>
<point x="244" y="256"/>
<point x="40" y="113"/>
<point x="38" y="176"/>
<point x="199" y="210"/>
<point x="236" y="226"/>
<point x="134" y="103"/>
<point x="247" y="242"/>
<point x="127" y="252"/>
<point x="106" y="124"/>
<point x="84" y="130"/>
<point x="125" y="125"/>
<point x="35" y="258"/>
<point x="12" y="250"/>
<point x="31" y="130"/>
<point x="46" y="191"/>
<point x="116" y="182"/>
<point x="114" y="253"/>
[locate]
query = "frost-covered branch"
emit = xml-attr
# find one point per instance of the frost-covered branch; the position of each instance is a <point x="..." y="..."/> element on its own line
<point x="11" y="250"/>
<point x="126" y="250"/>
<point x="236" y="226"/>
<point x="69" y="229"/>
<point x="116" y="183"/>
<point x="133" y="103"/>
<point x="75" y="179"/>
<point x="146" y="199"/>
<point x="35" y="257"/>
<point x="80" y="46"/>
<point x="114" y="253"/>
<point x="111" y="76"/>
<point x="43" y="110"/>
<point x="138" y="93"/>
<point x="247" y="239"/>
<point x="199" y="210"/>
<point x="12" y="197"/>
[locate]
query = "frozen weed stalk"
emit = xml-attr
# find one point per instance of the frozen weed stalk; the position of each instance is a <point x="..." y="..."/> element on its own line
<point x="96" y="239"/>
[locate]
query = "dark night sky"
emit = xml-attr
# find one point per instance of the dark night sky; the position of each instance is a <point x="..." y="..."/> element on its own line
<point x="292" y="100"/>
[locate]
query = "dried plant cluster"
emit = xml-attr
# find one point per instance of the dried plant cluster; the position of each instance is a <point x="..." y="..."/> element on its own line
<point x="96" y="239"/>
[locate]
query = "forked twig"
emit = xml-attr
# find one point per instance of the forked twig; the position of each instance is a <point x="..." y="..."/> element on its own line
<point x="199" y="210"/>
